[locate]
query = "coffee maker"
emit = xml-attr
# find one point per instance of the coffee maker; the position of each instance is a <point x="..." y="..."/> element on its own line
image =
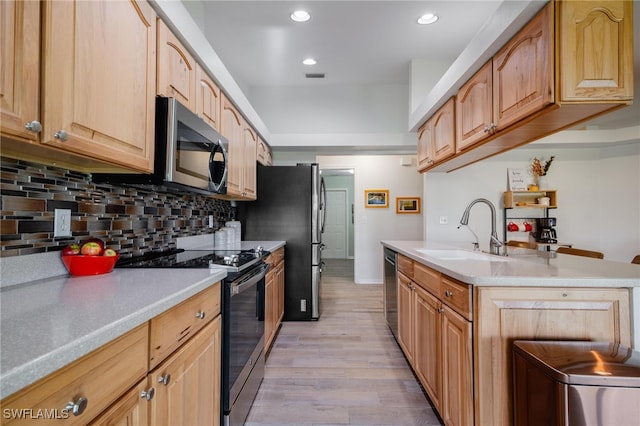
<point x="545" y="232"/>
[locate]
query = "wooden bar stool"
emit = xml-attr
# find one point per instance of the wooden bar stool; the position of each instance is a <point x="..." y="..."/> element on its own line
<point x="580" y="252"/>
<point x="636" y="259"/>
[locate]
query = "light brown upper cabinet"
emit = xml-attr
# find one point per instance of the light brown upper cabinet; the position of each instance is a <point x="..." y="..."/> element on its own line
<point x="176" y="69"/>
<point x="474" y="109"/>
<point x="207" y="98"/>
<point x="264" y="153"/>
<point x="97" y="84"/>
<point x="243" y="140"/>
<point x="20" y="58"/>
<point x="571" y="63"/>
<point x="425" y="156"/>
<point x="523" y="72"/>
<point x="439" y="136"/>
<point x="595" y="50"/>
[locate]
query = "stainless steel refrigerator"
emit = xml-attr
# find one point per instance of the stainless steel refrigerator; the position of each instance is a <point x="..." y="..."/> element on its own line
<point x="290" y="207"/>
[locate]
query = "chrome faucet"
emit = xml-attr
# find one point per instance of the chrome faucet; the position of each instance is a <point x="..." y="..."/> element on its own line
<point x="494" y="243"/>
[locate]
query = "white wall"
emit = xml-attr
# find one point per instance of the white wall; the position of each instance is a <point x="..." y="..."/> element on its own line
<point x="375" y="224"/>
<point x="598" y="197"/>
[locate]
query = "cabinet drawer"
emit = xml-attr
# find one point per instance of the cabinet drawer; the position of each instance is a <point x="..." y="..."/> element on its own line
<point x="427" y="278"/>
<point x="457" y="296"/>
<point x="174" y="327"/>
<point x="405" y="265"/>
<point x="276" y="257"/>
<point x="99" y="377"/>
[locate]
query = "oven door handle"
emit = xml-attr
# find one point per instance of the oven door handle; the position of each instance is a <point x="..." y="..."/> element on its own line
<point x="250" y="282"/>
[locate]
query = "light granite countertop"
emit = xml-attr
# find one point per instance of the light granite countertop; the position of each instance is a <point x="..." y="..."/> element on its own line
<point x="522" y="267"/>
<point x="47" y="323"/>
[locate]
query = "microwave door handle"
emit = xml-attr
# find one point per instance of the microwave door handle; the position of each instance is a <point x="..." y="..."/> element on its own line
<point x="217" y="146"/>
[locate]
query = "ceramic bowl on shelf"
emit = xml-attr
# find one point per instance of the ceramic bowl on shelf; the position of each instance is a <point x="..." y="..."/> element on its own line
<point x="80" y="265"/>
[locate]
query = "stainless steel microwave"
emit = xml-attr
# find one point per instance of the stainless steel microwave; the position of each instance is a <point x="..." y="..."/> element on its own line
<point x="190" y="155"/>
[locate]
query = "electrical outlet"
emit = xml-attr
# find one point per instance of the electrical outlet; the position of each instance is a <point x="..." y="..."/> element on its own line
<point x="62" y="223"/>
<point x="210" y="221"/>
<point x="303" y="305"/>
<point x="444" y="220"/>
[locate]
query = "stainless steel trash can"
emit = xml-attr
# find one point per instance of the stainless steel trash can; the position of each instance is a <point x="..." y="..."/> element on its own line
<point x="575" y="383"/>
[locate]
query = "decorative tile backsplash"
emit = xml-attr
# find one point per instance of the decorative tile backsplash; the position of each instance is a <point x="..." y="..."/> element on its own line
<point x="130" y="220"/>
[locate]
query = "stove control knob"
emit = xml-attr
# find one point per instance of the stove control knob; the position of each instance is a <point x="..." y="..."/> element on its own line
<point x="259" y="250"/>
<point x="231" y="259"/>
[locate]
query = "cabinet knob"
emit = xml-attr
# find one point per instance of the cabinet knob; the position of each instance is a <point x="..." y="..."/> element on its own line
<point x="448" y="293"/>
<point x="200" y="314"/>
<point x="164" y="379"/>
<point x="440" y="310"/>
<point x="34" y="126"/>
<point x="78" y="406"/>
<point x="148" y="394"/>
<point x="61" y="134"/>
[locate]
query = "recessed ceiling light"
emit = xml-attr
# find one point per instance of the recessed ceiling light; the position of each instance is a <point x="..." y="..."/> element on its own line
<point x="309" y="61"/>
<point x="427" y="19"/>
<point x="300" y="16"/>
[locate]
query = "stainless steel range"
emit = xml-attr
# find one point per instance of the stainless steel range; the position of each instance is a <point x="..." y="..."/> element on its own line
<point x="242" y="318"/>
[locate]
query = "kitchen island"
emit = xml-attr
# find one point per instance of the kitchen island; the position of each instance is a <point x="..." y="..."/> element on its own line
<point x="459" y="312"/>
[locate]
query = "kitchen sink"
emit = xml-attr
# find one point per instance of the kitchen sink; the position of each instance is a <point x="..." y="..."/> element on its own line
<point x="455" y="254"/>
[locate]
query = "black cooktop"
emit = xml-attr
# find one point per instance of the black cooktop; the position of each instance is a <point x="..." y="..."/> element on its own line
<point x="234" y="260"/>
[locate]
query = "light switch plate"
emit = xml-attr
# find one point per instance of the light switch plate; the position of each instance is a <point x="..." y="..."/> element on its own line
<point x="62" y="223"/>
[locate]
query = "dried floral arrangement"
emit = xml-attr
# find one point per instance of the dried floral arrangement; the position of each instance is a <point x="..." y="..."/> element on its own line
<point x="537" y="169"/>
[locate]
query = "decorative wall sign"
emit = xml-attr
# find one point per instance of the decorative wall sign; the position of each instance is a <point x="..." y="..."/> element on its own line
<point x="408" y="205"/>
<point x="517" y="179"/>
<point x="376" y="198"/>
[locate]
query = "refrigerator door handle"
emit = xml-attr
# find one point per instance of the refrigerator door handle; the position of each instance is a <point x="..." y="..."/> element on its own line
<point x="323" y="198"/>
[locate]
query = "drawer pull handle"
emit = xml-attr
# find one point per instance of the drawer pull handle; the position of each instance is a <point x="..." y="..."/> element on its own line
<point x="200" y="314"/>
<point x="148" y="395"/>
<point x="61" y="135"/>
<point x="33" y="126"/>
<point x="448" y="293"/>
<point x="77" y="407"/>
<point x="164" y="379"/>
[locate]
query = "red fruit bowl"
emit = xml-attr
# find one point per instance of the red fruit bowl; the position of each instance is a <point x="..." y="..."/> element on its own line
<point x="89" y="265"/>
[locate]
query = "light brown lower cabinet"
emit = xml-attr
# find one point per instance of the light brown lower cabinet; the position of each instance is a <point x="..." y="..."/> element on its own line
<point x="458" y="338"/>
<point x="112" y="384"/>
<point x="274" y="297"/>
<point x="187" y="384"/>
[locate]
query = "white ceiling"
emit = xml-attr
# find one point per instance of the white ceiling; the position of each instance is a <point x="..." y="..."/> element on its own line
<point x="355" y="42"/>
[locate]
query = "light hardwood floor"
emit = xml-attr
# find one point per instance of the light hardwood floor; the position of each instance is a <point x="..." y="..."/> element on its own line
<point x="345" y="369"/>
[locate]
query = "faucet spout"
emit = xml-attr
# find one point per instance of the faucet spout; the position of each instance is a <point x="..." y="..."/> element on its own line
<point x="494" y="242"/>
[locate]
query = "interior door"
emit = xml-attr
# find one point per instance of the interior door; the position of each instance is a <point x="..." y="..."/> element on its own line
<point x="334" y="236"/>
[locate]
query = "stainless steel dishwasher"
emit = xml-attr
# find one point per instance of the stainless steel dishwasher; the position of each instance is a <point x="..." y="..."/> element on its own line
<point x="390" y="291"/>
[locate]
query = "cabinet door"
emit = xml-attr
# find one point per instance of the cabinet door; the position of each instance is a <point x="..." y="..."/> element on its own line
<point x="474" y="109"/>
<point x="405" y="316"/>
<point x="536" y="313"/>
<point x="130" y="410"/>
<point x="207" y="98"/>
<point x="594" y="57"/>
<point x="269" y="307"/>
<point x="444" y="132"/>
<point x="280" y="282"/>
<point x="20" y="59"/>
<point x="523" y="71"/>
<point x="249" y="163"/>
<point x="457" y="369"/>
<point x="176" y="68"/>
<point x="231" y="128"/>
<point x="99" y="80"/>
<point x="427" y="348"/>
<point x="191" y="395"/>
<point x="425" y="145"/>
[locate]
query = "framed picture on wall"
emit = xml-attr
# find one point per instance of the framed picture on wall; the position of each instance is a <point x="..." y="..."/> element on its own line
<point x="376" y="198"/>
<point x="408" y="205"/>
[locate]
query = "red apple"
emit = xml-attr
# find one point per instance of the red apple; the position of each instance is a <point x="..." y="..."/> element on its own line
<point x="71" y="250"/>
<point x="91" y="248"/>
<point x="95" y="240"/>
<point x="109" y="252"/>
